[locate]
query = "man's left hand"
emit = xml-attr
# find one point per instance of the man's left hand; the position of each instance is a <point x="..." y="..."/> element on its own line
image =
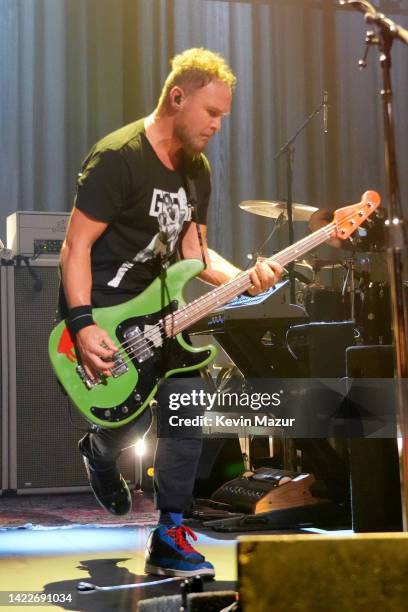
<point x="264" y="275"/>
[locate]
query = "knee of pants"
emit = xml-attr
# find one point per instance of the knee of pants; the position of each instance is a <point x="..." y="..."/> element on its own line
<point x="181" y="406"/>
<point x="105" y="445"/>
<point x="172" y="452"/>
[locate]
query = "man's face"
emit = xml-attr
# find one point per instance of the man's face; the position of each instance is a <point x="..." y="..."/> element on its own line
<point x="201" y="114"/>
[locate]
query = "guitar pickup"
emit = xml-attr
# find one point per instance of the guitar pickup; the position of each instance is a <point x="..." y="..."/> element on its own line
<point x="138" y="345"/>
<point x="120" y="366"/>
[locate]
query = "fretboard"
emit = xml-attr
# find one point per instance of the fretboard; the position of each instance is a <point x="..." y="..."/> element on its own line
<point x="184" y="317"/>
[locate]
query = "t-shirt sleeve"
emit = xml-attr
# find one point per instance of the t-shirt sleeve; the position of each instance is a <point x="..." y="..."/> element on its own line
<point x="102" y="185"/>
<point x="203" y="191"/>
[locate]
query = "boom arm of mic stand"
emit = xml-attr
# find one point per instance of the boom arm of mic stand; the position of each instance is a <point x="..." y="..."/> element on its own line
<point x="395" y="30"/>
<point x="373" y="16"/>
<point x="289" y="151"/>
<point x="288" y="144"/>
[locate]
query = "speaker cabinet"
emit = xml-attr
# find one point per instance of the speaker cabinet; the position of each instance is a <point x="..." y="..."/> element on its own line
<point x="3" y="383"/>
<point x="375" y="477"/>
<point x="320" y="347"/>
<point x="44" y="428"/>
<point x="283" y="573"/>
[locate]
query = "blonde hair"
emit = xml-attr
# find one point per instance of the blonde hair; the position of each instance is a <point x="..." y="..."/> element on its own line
<point x="195" y="68"/>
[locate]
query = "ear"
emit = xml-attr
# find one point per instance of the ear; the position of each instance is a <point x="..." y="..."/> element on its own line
<point x="176" y="96"/>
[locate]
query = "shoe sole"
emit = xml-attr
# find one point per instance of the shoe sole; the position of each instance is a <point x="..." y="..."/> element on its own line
<point x="165" y="571"/>
<point x="85" y="460"/>
<point x="110" y="511"/>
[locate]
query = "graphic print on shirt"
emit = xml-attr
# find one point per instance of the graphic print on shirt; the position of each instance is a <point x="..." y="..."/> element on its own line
<point x="172" y="211"/>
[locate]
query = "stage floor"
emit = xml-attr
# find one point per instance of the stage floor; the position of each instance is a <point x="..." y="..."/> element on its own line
<point x="55" y="560"/>
<point x="48" y="544"/>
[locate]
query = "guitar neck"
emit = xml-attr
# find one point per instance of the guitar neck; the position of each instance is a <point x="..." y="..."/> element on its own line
<point x="184" y="317"/>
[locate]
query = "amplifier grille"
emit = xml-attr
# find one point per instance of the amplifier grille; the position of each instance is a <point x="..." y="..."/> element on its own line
<point x="47" y="454"/>
<point x="3" y="408"/>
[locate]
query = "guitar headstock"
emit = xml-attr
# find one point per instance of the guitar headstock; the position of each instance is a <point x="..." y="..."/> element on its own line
<point x="349" y="218"/>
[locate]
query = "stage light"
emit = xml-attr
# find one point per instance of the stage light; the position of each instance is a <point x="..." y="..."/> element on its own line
<point x="140" y="447"/>
<point x="396" y="221"/>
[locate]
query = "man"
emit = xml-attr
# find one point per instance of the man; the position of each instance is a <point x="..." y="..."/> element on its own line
<point x="131" y="215"/>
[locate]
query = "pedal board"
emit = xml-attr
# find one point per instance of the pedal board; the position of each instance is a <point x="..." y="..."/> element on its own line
<point x="266" y="490"/>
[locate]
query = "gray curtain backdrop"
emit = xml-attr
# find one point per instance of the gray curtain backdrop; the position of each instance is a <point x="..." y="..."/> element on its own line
<point x="72" y="70"/>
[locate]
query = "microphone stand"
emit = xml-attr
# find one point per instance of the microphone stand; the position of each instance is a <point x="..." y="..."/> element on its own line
<point x="277" y="225"/>
<point x="396" y="226"/>
<point x="289" y="151"/>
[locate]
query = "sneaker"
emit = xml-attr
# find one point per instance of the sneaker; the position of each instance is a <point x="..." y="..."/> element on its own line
<point x="110" y="488"/>
<point x="168" y="553"/>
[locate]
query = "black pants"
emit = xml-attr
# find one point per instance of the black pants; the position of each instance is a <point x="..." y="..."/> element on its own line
<point x="177" y="450"/>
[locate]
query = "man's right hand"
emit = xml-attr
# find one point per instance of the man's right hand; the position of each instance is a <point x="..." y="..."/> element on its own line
<point x="93" y="343"/>
<point x="96" y="350"/>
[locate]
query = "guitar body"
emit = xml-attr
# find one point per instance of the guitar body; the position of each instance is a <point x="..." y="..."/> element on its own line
<point x="145" y="357"/>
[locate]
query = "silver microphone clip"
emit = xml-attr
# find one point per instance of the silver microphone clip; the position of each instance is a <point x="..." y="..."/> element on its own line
<point x="326" y="112"/>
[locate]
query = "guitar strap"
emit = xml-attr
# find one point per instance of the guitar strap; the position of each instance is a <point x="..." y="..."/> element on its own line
<point x="193" y="204"/>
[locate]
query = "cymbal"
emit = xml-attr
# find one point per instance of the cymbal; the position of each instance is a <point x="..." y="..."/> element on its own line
<point x="300" y="212"/>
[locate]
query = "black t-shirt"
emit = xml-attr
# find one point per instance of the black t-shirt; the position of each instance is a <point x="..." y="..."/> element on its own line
<point x="125" y="184"/>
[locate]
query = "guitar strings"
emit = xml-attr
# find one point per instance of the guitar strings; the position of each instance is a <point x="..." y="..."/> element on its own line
<point x="311" y="241"/>
<point x="133" y="346"/>
<point x="221" y="291"/>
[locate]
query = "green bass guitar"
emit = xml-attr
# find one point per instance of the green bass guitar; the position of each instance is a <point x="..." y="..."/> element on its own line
<point x="149" y="325"/>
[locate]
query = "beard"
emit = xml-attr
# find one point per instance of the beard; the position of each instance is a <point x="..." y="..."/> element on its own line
<point x="191" y="145"/>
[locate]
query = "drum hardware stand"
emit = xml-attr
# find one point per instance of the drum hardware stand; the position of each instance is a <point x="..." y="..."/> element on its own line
<point x="301" y="277"/>
<point x="277" y="225"/>
<point x="289" y="151"/>
<point x="316" y="269"/>
<point x="350" y="280"/>
<point x="396" y="226"/>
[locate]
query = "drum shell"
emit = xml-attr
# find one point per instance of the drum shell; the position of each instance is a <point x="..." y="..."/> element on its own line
<point x="325" y="304"/>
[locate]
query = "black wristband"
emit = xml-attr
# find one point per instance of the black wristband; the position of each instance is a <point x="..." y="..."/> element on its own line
<point x="79" y="317"/>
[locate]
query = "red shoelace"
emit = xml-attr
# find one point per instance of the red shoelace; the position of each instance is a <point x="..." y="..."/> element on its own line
<point x="180" y="534"/>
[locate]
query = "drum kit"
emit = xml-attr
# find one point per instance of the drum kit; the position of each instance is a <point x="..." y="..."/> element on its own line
<point x="353" y="286"/>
